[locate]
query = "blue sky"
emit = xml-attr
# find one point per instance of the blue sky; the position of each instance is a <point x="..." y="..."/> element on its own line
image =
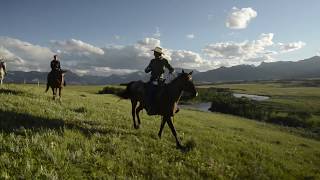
<point x="293" y="24"/>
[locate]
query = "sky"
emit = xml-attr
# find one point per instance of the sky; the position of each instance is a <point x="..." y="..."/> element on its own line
<point x="104" y="37"/>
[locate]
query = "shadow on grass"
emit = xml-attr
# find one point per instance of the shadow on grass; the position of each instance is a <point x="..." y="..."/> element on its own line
<point x="189" y="146"/>
<point x="10" y="91"/>
<point x="13" y="122"/>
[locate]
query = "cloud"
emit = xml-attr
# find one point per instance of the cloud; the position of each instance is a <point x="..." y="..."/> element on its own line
<point x="293" y="46"/>
<point x="13" y="61"/>
<point x="129" y="58"/>
<point x="240" y="18"/>
<point x="188" y="59"/>
<point x="157" y="34"/>
<point x="138" y="56"/>
<point x="117" y="37"/>
<point x="190" y="36"/>
<point x="75" y="46"/>
<point x="23" y="55"/>
<point x="103" y="71"/>
<point x="135" y="56"/>
<point x="10" y="57"/>
<point x="84" y="58"/>
<point x="234" y="53"/>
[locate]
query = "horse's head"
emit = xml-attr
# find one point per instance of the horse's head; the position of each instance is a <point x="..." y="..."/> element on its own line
<point x="187" y="83"/>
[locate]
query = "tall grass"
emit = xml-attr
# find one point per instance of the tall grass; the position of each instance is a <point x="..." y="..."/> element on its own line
<point x="89" y="136"/>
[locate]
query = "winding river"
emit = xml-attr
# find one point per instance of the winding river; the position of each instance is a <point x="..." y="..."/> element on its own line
<point x="204" y="106"/>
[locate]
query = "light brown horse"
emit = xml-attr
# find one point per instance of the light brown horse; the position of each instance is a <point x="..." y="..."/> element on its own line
<point x="2" y="74"/>
<point x="56" y="82"/>
<point x="167" y="99"/>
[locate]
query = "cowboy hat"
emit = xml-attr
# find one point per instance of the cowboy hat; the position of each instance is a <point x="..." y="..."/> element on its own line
<point x="158" y="50"/>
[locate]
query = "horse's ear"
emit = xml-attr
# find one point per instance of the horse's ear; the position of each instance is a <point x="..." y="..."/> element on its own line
<point x="182" y="71"/>
<point x="190" y="72"/>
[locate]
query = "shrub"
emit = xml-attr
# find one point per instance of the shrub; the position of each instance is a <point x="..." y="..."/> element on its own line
<point x="111" y="90"/>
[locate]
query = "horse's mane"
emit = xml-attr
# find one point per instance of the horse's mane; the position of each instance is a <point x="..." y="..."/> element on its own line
<point x="177" y="78"/>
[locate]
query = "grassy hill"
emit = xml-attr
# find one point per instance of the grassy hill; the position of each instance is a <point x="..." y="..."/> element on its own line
<point x="89" y="135"/>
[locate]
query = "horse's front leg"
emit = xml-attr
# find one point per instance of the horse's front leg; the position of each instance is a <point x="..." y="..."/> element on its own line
<point x="173" y="130"/>
<point x="53" y="93"/>
<point x="163" y="122"/>
<point x="140" y="107"/>
<point x="133" y="112"/>
<point x="60" y="94"/>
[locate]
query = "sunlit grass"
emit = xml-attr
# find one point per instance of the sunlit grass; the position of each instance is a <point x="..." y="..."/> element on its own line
<point x="89" y="135"/>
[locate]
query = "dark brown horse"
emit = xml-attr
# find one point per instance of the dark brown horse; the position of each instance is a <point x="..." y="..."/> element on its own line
<point x="167" y="99"/>
<point x="56" y="82"/>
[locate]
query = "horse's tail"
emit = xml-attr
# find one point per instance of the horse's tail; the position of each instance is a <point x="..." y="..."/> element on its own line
<point x="125" y="94"/>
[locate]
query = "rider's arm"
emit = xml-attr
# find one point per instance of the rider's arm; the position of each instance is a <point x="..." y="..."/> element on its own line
<point x="167" y="65"/>
<point x="52" y="65"/>
<point x="59" y="67"/>
<point x="148" y="68"/>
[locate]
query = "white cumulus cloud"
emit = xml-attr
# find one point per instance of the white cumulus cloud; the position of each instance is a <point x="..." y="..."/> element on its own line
<point x="240" y="18"/>
<point x="84" y="58"/>
<point x="189" y="60"/>
<point x="102" y="71"/>
<point x="234" y="53"/>
<point x="22" y="55"/>
<point x="190" y="36"/>
<point x="293" y="46"/>
<point x="75" y="46"/>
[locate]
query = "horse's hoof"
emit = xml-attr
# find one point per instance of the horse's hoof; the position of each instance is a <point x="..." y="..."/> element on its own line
<point x="136" y="127"/>
<point x="159" y="135"/>
<point x="179" y="146"/>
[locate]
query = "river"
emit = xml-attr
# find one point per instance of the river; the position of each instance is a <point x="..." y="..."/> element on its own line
<point x="204" y="106"/>
<point x="251" y="96"/>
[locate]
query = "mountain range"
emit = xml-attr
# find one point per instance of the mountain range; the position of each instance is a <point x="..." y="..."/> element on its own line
<point x="308" y="68"/>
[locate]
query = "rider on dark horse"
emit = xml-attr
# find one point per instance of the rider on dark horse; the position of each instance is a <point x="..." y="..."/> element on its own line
<point x="55" y="65"/>
<point x="55" y="68"/>
<point x="156" y="67"/>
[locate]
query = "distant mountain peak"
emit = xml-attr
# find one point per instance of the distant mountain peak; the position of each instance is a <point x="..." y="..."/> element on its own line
<point x="307" y="68"/>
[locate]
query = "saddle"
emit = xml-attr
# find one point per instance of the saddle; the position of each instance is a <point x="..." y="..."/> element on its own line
<point x="154" y="89"/>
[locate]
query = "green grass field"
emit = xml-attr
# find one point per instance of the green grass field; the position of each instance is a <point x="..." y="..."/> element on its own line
<point x="289" y="96"/>
<point x="90" y="136"/>
<point x="305" y="98"/>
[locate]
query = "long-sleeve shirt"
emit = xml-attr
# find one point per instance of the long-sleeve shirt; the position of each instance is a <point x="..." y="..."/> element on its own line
<point x="157" y="66"/>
